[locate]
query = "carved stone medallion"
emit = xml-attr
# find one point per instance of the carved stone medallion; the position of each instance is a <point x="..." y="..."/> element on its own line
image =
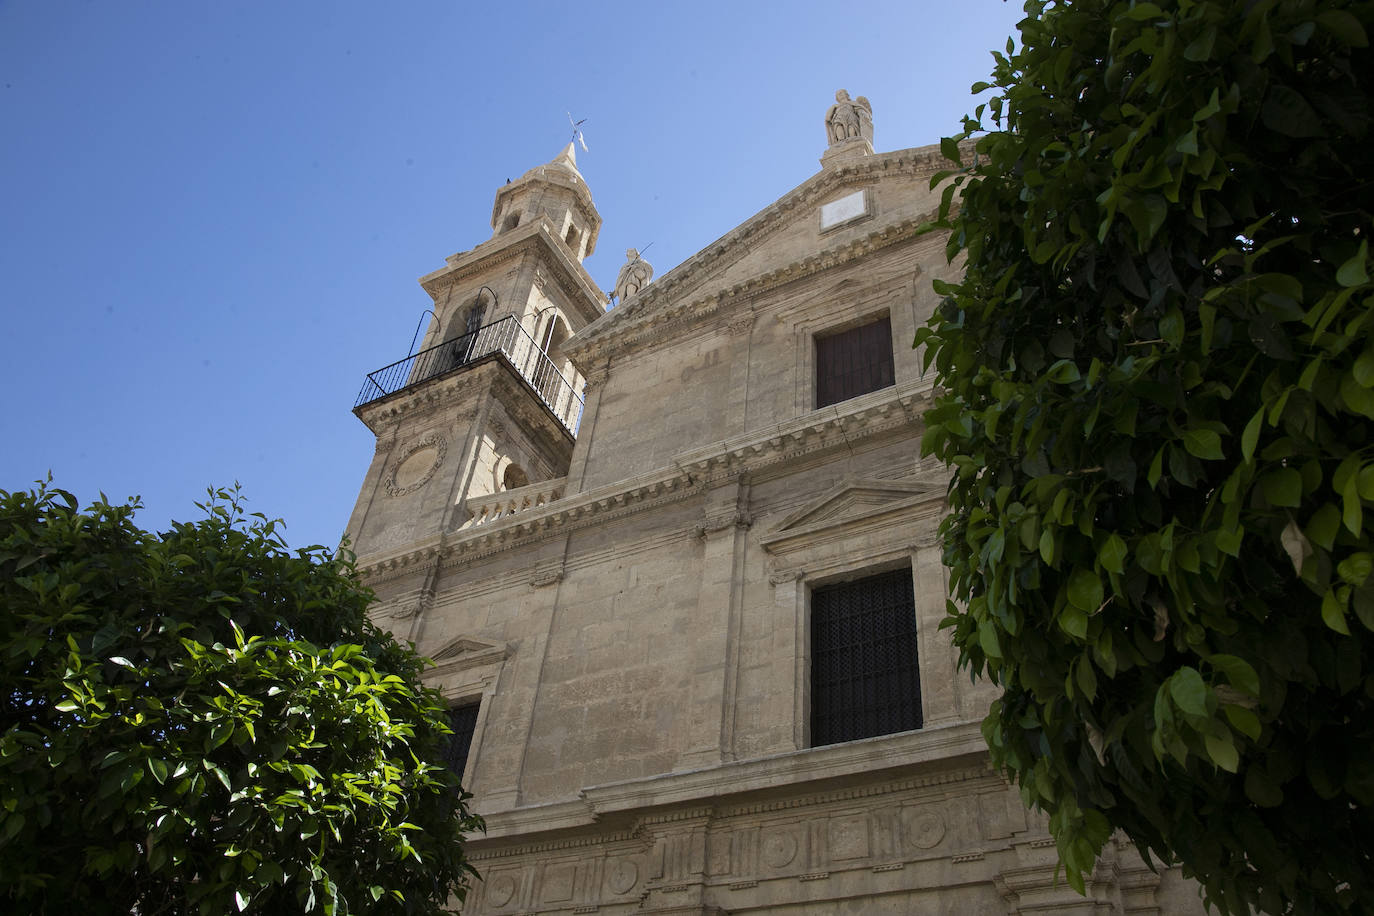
<point x="779" y="848"/>
<point x="417" y="465"/>
<point x="500" y="889"/>
<point x="923" y="828"/>
<point x="622" y="876"/>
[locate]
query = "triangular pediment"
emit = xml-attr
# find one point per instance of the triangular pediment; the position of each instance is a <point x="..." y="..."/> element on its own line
<point x="792" y="235"/>
<point x="468" y="649"/>
<point x="856" y="500"/>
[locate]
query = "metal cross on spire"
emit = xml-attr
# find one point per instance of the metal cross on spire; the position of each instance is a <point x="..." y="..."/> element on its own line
<point x="577" y="131"/>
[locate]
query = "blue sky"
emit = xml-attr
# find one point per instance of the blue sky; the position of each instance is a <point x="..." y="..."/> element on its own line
<point x="212" y="215"/>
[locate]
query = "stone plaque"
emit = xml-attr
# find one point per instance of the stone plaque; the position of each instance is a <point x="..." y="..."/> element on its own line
<point x="851" y="206"/>
<point x="558" y="883"/>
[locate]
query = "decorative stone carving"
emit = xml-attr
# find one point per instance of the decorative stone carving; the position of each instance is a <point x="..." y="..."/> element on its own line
<point x="923" y="827"/>
<point x="500" y="889"/>
<point x="779" y="848"/>
<point x="634" y="276"/>
<point x="849" y="119"/>
<point x="622" y="875"/>
<point x="417" y="465"/>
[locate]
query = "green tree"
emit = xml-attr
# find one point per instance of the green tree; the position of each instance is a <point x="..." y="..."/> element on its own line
<point x="203" y="721"/>
<point x="1157" y="399"/>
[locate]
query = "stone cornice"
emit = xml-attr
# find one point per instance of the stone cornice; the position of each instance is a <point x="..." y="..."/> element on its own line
<point x="537" y="235"/>
<point x="754" y="454"/>
<point x="945" y="755"/>
<point x="645" y="312"/>
<point x="670" y="321"/>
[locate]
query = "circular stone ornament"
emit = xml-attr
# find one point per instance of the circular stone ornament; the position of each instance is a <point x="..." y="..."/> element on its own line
<point x="500" y="889"/>
<point x="622" y="876"/>
<point x="924" y="829"/>
<point x="417" y="465"/>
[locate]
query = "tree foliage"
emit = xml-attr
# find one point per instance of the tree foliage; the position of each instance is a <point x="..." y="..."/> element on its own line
<point x="1157" y="399"/>
<point x="203" y="721"/>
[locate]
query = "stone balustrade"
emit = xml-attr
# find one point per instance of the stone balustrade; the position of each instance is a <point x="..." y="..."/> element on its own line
<point x="483" y="510"/>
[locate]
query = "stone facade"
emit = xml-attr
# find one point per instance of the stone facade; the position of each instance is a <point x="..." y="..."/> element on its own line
<point x="631" y="605"/>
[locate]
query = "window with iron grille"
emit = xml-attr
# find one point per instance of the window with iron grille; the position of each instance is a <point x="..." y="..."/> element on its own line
<point x="864" y="677"/>
<point x="854" y="362"/>
<point x="463" y="721"/>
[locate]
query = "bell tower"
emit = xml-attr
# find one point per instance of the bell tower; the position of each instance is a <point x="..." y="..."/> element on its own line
<point x="489" y="404"/>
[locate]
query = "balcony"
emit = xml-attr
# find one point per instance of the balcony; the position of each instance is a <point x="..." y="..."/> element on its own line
<point x="505" y="338"/>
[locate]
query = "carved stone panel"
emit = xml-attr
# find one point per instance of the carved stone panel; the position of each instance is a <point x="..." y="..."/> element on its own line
<point x="849" y="838"/>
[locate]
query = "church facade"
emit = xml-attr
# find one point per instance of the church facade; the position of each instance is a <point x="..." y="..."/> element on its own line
<point x="676" y="562"/>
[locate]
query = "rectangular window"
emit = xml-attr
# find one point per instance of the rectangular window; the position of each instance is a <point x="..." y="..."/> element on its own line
<point x="864" y="676"/>
<point x="854" y="362"/>
<point x="463" y="721"/>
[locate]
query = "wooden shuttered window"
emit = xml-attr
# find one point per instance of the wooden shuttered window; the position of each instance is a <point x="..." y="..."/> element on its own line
<point x="854" y="362"/>
<point x="865" y="679"/>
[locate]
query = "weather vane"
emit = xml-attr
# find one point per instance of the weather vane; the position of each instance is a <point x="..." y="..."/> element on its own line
<point x="577" y="131"/>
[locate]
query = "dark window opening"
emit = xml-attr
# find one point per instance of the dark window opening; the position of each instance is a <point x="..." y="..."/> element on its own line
<point x="511" y="222"/>
<point x="854" y="362"/>
<point x="514" y="477"/>
<point x="571" y="238"/>
<point x="865" y="679"/>
<point x="463" y="721"/>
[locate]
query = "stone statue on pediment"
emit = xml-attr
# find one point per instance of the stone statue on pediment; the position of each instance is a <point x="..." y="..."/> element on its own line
<point x="634" y="276"/>
<point x="849" y="119"/>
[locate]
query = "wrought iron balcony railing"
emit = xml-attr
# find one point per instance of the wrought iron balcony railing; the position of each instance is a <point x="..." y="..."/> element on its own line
<point x="505" y="337"/>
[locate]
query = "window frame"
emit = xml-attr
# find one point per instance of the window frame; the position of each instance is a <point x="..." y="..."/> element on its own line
<point x="899" y="571"/>
<point x="855" y="331"/>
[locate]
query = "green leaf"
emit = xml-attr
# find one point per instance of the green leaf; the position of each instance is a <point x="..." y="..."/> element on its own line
<point x="1085" y="590"/>
<point x="1240" y="673"/>
<point x="1222" y="750"/>
<point x="949" y="148"/>
<point x="1355" y="568"/>
<point x="1286" y="112"/>
<point x="1074" y="621"/>
<point x="1086" y="678"/>
<point x="1261" y="789"/>
<point x="1112" y="556"/>
<point x="1243" y="720"/>
<point x="1345" y="26"/>
<point x="158" y="768"/>
<point x="1333" y="612"/>
<point x="1352" y="272"/>
<point x="1063" y="372"/>
<point x="1250" y="437"/>
<point x="1322" y="527"/>
<point x="1353" y="513"/>
<point x="1189" y="692"/>
<point x="1203" y="443"/>
<point x="1282" y="487"/>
